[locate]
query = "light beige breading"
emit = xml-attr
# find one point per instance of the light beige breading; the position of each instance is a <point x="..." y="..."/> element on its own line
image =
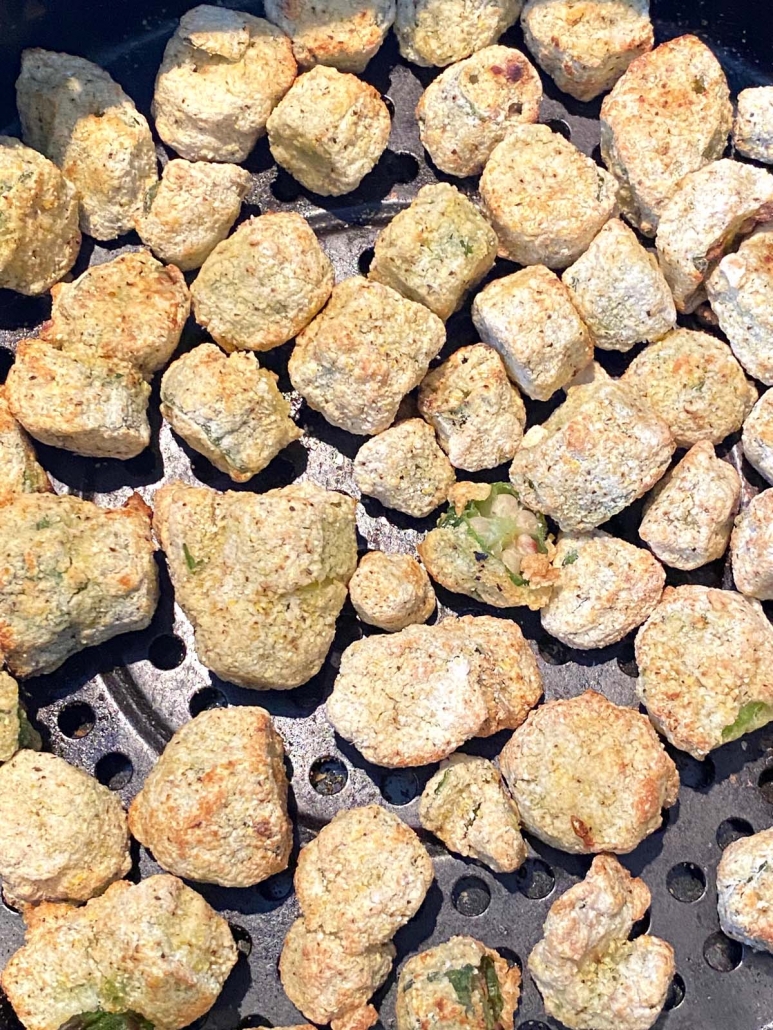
<point x="477" y="415"/>
<point x="668" y="115"/>
<point x="329" y="131"/>
<point x="689" y="516"/>
<point x="222" y="74"/>
<point x="472" y="106"/>
<point x="588" y="776"/>
<point x="73" y="112"/>
<point x="620" y="291"/>
<point x="590" y="975"/>
<point x="705" y="662"/>
<point x="20" y="472"/>
<point x="530" y="319"/>
<point x="745" y="890"/>
<point x="343" y="33"/>
<point x="263" y="284"/>
<point x="39" y="215"/>
<point x="757" y="436"/>
<point x="391" y="591"/>
<point x="753" y="125"/>
<point x="262" y="577"/>
<point x="228" y="409"/>
<point x="751" y="547"/>
<point x="10" y="721"/>
<point x="439" y="32"/>
<point x="436" y="250"/>
<point x="192" y="210"/>
<point x="358" y="359"/>
<point x="586" y="46"/>
<point x="214" y="806"/>
<point x="74" y="575"/>
<point x="466" y="805"/>
<point x="545" y="198"/>
<point x="155" y="948"/>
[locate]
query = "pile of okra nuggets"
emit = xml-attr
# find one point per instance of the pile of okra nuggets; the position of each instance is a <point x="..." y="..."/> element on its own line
<point x="263" y="576"/>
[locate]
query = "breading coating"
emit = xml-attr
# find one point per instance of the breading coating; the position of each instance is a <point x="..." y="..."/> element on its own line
<point x="391" y="591"/>
<point x="751" y="547"/>
<point x="607" y="587"/>
<point x="477" y="415"/>
<point x="490" y="547"/>
<point x="596" y="454"/>
<point x="668" y="115"/>
<point x="440" y="32"/>
<point x="745" y="890"/>
<point x="545" y="198"/>
<point x="155" y="948"/>
<point x="436" y="250"/>
<point x="588" y="776"/>
<point x="586" y="46"/>
<point x="329" y="131"/>
<point x="222" y="74"/>
<point x="214" y="806"/>
<point x="472" y="106"/>
<point x="10" y="721"/>
<point x="405" y="469"/>
<point x="590" y="976"/>
<point x="227" y="408"/>
<point x="458" y="985"/>
<point x="530" y="319"/>
<point x="358" y="359"/>
<point x="466" y="805"/>
<point x="757" y="436"/>
<point x="620" y="291"/>
<point x="689" y="516"/>
<point x="39" y="216"/>
<point x="343" y="33"/>
<point x="262" y="577"/>
<point x="263" y="284"/>
<point x="753" y="125"/>
<point x="73" y="112"/>
<point x="694" y="384"/>
<point x="192" y="210"/>
<point x="20" y="472"/>
<point x="73" y="575"/>
<point x="64" y="835"/>
<point x="705" y="662"/>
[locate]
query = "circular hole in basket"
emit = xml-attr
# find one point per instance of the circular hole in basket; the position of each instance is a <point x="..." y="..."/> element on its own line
<point x="765" y="783"/>
<point x="242" y="939"/>
<point x="206" y="698"/>
<point x="76" y="720"/>
<point x="365" y="260"/>
<point x="114" y="770"/>
<point x="284" y="187"/>
<point x="400" y="166"/>
<point x="471" y="896"/>
<point x="535" y="879"/>
<point x="277" y="887"/>
<point x="511" y="957"/>
<point x="167" y="652"/>
<point x="553" y="651"/>
<point x="563" y="128"/>
<point x="399" y="787"/>
<point x="686" y="882"/>
<point x="628" y="667"/>
<point x="675" y="995"/>
<point x="722" y="953"/>
<point x="731" y="830"/>
<point x="533" y="1024"/>
<point x="249" y="1022"/>
<point x="328" y="775"/>
<point x="693" y="773"/>
<point x="641" y="926"/>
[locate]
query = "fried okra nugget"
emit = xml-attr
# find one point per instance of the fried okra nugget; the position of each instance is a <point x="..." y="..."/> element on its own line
<point x="329" y="131"/>
<point x="435" y="250"/>
<point x="222" y="74"/>
<point x="358" y="359"/>
<point x="192" y="210"/>
<point x="20" y="472"/>
<point x="466" y="805"/>
<point x="477" y="415"/>
<point x="16" y="731"/>
<point x="262" y="577"/>
<point x="668" y="115"/>
<point x="343" y="33"/>
<point x="73" y="112"/>
<point x="458" y="985"/>
<point x="39" y="216"/>
<point x="472" y="106"/>
<point x="751" y="547"/>
<point x="490" y="547"/>
<point x="155" y="949"/>
<point x="391" y="591"/>
<point x="757" y="436"/>
<point x="588" y="776"/>
<point x="545" y="198"/>
<point x="214" y="807"/>
<point x="705" y="662"/>
<point x="228" y="409"/>
<point x="753" y="125"/>
<point x="590" y="976"/>
<point x="688" y="519"/>
<point x="620" y="291"/>
<point x="439" y="32"/>
<point x="263" y="284"/>
<point x="745" y="890"/>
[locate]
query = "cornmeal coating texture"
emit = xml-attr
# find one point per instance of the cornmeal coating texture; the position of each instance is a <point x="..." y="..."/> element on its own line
<point x="757" y="436"/>
<point x="753" y="125"/>
<point x="343" y="33"/>
<point x="751" y="547"/>
<point x="10" y="717"/>
<point x="745" y="890"/>
<point x="439" y="32"/>
<point x="20" y="472"/>
<point x="391" y="591"/>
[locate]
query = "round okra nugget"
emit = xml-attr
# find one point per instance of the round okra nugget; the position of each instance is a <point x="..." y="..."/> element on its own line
<point x="329" y="131"/>
<point x="745" y="890"/>
<point x="391" y="591"/>
<point x="262" y="285"/>
<point x="439" y="32"/>
<point x="222" y="74"/>
<point x="10" y="718"/>
<point x="20" y="472"/>
<point x="620" y="291"/>
<point x="466" y="805"/>
<point x="345" y="34"/>
<point x="753" y="125"/>
<point x="436" y="250"/>
<point x="472" y="106"/>
<point x="705" y="659"/>
<point x="757" y="436"/>
<point x="544" y="197"/>
<point x="689" y="516"/>
<point x="589" y="776"/>
<point x="751" y="547"/>
<point x="693" y="382"/>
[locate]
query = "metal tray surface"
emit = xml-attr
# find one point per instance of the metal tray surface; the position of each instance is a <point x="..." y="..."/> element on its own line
<point x="111" y="709"/>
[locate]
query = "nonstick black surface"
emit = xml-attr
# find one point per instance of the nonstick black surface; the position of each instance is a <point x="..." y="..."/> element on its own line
<point x="111" y="709"/>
